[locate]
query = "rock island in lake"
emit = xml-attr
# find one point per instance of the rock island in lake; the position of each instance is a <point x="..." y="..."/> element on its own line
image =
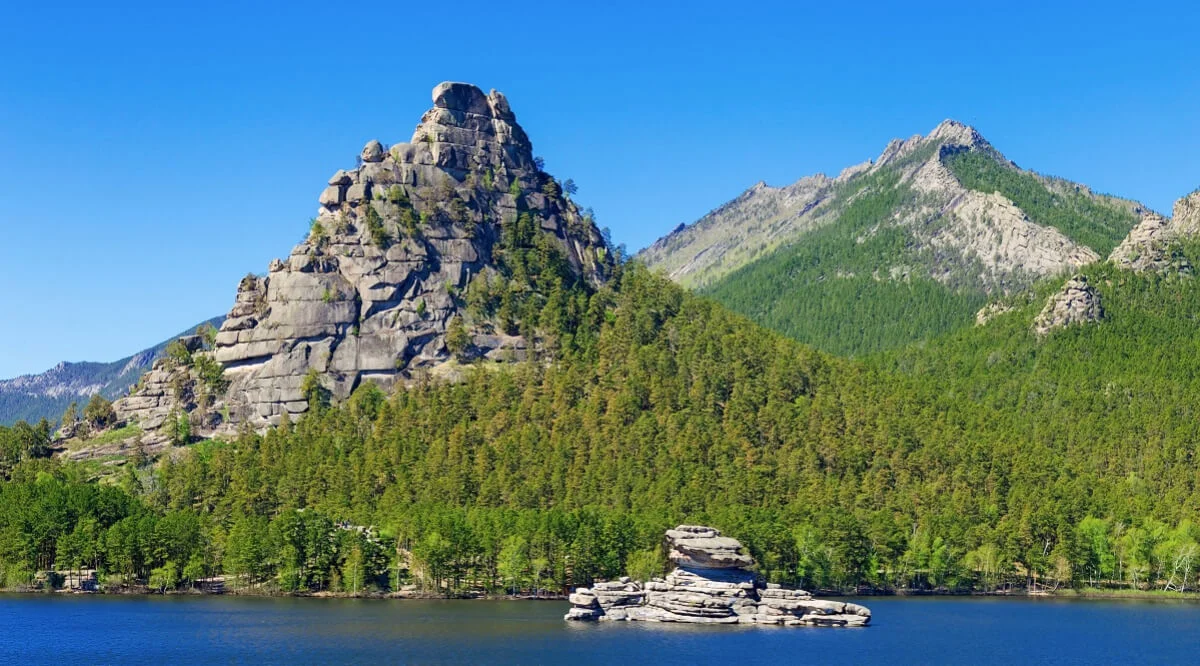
<point x="711" y="584"/>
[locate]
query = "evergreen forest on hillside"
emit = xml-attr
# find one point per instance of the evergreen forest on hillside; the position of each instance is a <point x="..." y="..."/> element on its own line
<point x="986" y="457"/>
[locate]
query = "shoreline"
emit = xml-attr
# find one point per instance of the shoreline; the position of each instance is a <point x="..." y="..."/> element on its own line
<point x="1069" y="593"/>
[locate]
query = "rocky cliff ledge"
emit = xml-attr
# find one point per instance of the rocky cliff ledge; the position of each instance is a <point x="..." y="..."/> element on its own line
<point x="711" y="584"/>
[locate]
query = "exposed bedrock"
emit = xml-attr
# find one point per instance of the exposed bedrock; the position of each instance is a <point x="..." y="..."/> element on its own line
<point x="711" y="584"/>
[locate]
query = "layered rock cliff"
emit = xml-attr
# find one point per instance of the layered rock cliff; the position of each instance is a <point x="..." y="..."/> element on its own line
<point x="398" y="244"/>
<point x="711" y="584"/>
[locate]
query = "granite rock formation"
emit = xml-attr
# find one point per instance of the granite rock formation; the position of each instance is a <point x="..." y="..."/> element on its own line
<point x="1150" y="247"/>
<point x="1076" y="303"/>
<point x="1185" y="218"/>
<point x="174" y="389"/>
<point x="396" y="243"/>
<point x="711" y="584"/>
<point x="47" y="394"/>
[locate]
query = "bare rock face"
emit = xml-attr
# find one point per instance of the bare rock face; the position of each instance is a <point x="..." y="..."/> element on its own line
<point x="396" y="244"/>
<point x="1148" y="247"/>
<point x="1076" y="303"/>
<point x="1185" y="220"/>
<point x="711" y="585"/>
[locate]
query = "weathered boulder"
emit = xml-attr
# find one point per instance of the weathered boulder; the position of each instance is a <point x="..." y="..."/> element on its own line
<point x="1076" y="303"/>
<point x="372" y="152"/>
<point x="711" y="585"/>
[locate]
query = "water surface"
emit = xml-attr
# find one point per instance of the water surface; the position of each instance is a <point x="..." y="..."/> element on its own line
<point x="44" y="629"/>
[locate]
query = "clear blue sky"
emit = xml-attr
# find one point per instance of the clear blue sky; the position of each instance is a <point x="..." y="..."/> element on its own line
<point x="150" y="155"/>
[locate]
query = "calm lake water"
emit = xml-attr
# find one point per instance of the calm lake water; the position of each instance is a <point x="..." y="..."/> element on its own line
<point x="37" y="629"/>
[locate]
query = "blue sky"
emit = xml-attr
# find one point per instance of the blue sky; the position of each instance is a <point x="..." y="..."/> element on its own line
<point x="150" y="155"/>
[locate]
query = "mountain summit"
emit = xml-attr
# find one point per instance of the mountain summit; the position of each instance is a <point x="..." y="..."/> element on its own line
<point x="426" y="253"/>
<point x="941" y="207"/>
<point x="894" y="249"/>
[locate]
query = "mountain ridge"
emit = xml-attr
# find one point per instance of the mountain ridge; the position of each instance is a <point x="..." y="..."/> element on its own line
<point x="47" y="394"/>
<point x="895" y="249"/>
<point x="778" y="215"/>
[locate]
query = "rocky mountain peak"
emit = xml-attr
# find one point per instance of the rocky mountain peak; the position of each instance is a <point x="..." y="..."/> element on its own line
<point x="976" y="237"/>
<point x="398" y="243"/>
<point x="949" y="135"/>
<point x="466" y="131"/>
<point x="952" y="132"/>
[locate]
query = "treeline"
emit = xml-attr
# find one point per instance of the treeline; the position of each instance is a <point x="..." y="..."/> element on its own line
<point x="52" y="521"/>
<point x="988" y="458"/>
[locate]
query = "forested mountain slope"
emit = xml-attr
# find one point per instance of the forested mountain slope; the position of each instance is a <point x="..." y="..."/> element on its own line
<point x="992" y="454"/>
<point x="452" y="383"/>
<point x="895" y="250"/>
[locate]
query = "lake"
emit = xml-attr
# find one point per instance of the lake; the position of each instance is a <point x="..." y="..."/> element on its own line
<point x="199" y="630"/>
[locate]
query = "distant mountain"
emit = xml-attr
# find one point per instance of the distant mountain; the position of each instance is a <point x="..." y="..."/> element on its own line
<point x="893" y="250"/>
<point x="32" y="397"/>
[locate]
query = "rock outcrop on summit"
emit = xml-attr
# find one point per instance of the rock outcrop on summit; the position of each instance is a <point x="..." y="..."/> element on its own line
<point x="711" y="584"/>
<point x="397" y="243"/>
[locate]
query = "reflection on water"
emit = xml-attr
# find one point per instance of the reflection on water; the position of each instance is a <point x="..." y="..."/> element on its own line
<point x="187" y="630"/>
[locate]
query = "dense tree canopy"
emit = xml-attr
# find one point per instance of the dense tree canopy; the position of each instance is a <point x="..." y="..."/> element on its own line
<point x="986" y="457"/>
